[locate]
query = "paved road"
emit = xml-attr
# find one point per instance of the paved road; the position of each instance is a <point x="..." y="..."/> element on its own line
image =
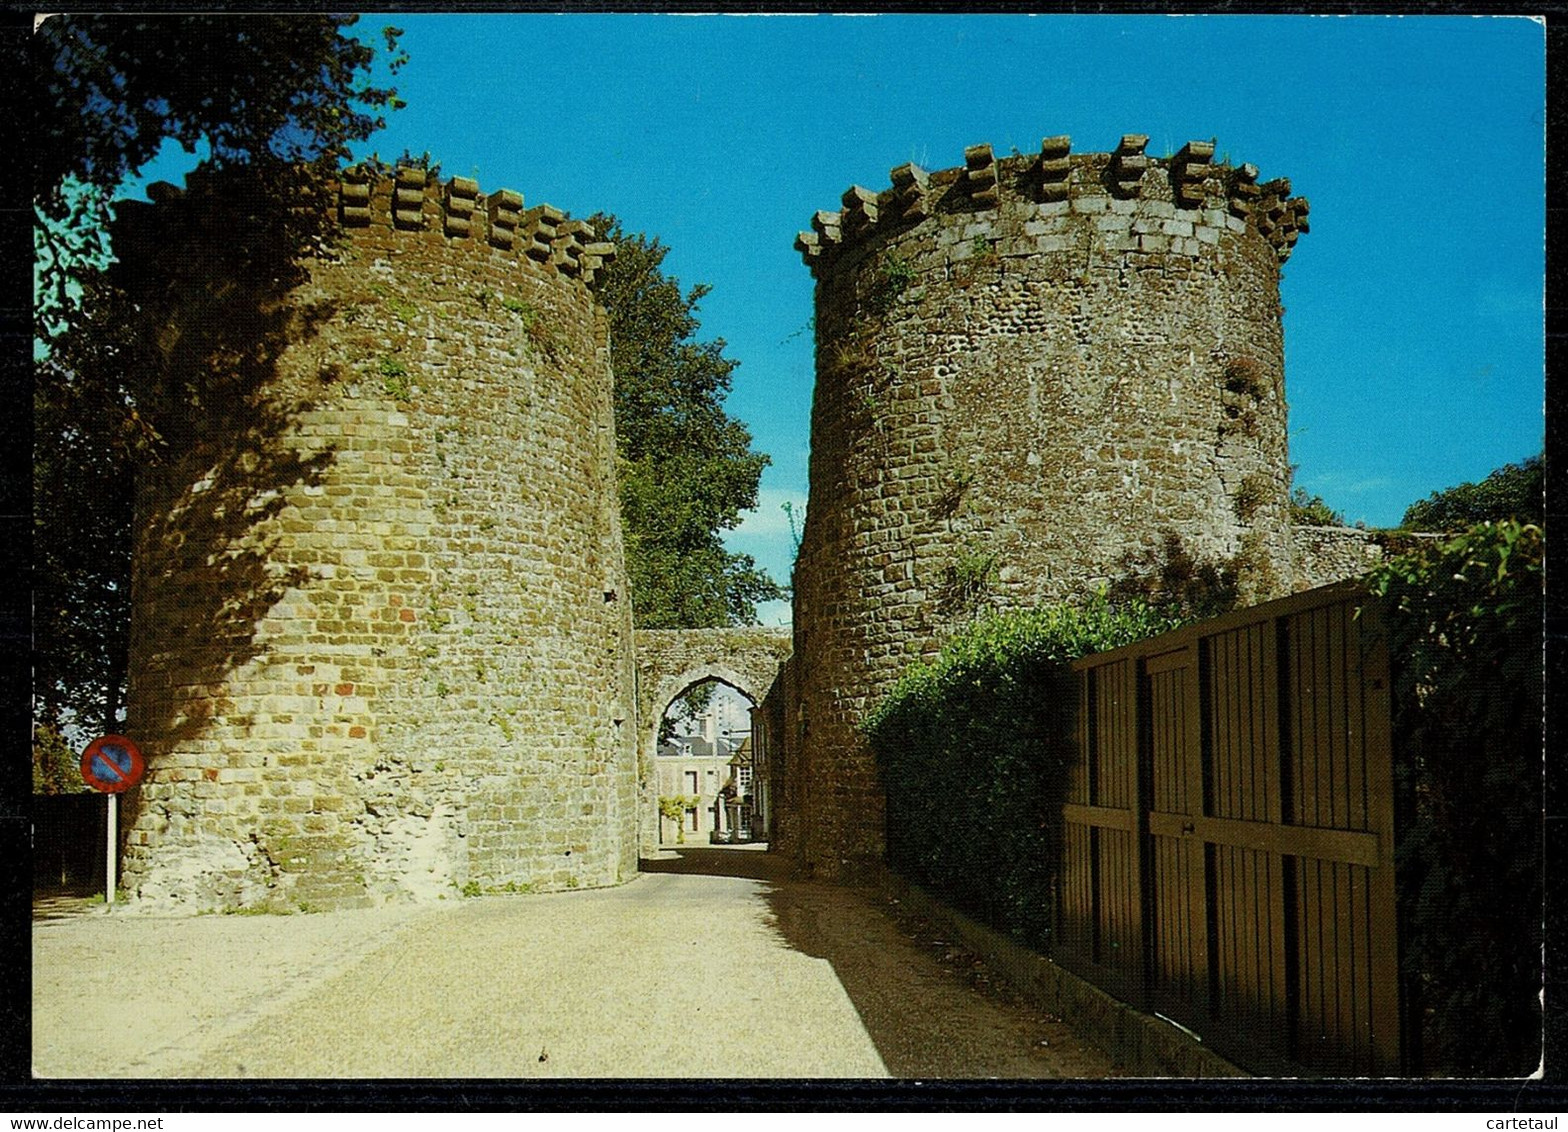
<point x="717" y="965"/>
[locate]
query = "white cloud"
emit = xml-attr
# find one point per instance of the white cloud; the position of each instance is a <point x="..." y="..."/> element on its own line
<point x="769" y="518"/>
<point x="1340" y="483"/>
<point x="775" y="613"/>
<point x="765" y="534"/>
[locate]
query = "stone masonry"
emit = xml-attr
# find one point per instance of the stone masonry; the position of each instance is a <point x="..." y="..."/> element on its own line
<point x="1323" y="555"/>
<point x="382" y="642"/>
<point x="1029" y="370"/>
<point x="672" y="661"/>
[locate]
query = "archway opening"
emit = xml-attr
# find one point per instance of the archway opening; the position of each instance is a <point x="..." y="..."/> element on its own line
<point x="706" y="787"/>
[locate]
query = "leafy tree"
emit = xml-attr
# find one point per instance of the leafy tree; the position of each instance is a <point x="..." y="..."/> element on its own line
<point x="277" y="99"/>
<point x="1514" y="491"/>
<point x="1463" y="618"/>
<point x="280" y="93"/>
<point x="686" y="467"/>
<point x="83" y="502"/>
<point x="56" y="769"/>
<point x="1311" y="511"/>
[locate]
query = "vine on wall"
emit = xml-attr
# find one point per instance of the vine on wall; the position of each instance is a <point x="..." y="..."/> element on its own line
<point x="674" y="807"/>
<point x="974" y="749"/>
<point x="1463" y="620"/>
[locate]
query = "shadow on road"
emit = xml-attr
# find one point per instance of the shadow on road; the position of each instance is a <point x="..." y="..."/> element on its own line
<point x="752" y="862"/>
<point x="67" y="906"/>
<point x="922" y="999"/>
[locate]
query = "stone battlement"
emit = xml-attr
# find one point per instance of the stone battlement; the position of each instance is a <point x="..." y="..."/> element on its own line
<point x="411" y="200"/>
<point x="1056" y="181"/>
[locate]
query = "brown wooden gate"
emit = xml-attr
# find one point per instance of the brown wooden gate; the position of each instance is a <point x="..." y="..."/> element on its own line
<point x="1228" y="835"/>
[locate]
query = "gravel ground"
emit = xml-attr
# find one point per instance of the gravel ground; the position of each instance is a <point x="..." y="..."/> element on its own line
<point x="156" y="992"/>
<point x="714" y="965"/>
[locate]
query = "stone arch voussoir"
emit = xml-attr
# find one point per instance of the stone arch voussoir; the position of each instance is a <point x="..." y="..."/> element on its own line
<point x="669" y="661"/>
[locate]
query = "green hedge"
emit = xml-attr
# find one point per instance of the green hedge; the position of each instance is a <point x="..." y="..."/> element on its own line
<point x="974" y="750"/>
<point x="1464" y="624"/>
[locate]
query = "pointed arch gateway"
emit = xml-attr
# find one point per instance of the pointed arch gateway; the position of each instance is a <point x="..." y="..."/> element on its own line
<point x="672" y="661"/>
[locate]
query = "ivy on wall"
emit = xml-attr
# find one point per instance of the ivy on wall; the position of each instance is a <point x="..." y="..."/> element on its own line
<point x="1464" y="625"/>
<point x="674" y="807"/>
<point x="974" y="749"/>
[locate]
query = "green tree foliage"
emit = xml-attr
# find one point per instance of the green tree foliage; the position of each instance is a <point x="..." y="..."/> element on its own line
<point x="1514" y="491"/>
<point x="686" y="467"/>
<point x="674" y="808"/>
<point x="281" y="93"/>
<point x="974" y="750"/>
<point x="1464" y="624"/>
<point x="278" y="99"/>
<point x="1311" y="511"/>
<point x="81" y="591"/>
<point x="56" y="768"/>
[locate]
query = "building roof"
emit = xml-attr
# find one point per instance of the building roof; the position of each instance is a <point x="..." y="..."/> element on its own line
<point x="696" y="747"/>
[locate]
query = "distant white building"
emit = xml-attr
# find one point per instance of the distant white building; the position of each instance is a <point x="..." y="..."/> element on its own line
<point x="708" y="759"/>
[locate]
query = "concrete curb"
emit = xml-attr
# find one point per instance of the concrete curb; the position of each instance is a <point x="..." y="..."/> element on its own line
<point x="1145" y="1045"/>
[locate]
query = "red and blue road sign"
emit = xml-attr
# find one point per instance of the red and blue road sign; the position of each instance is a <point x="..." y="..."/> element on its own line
<point x="112" y="764"/>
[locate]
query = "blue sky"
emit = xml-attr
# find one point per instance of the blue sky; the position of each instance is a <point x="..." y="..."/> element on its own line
<point x="1413" y="326"/>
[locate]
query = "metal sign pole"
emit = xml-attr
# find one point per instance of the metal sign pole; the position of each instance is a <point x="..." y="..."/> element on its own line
<point x="109" y="853"/>
<point x="112" y="763"/>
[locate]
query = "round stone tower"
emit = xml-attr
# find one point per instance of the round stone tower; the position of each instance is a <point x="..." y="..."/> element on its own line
<point x="381" y="645"/>
<point x="1035" y="374"/>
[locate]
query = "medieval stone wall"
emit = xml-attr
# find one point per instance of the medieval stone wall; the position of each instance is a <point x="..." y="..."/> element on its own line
<point x="382" y="643"/>
<point x="1323" y="555"/>
<point x="777" y="740"/>
<point x="1029" y="371"/>
<point x="671" y="661"/>
<point x="1320" y="555"/>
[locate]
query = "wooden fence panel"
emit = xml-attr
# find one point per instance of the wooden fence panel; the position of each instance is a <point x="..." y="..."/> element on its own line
<point x="1347" y="1019"/>
<point x="1228" y="849"/>
<point x="1241" y="734"/>
<point x="1100" y="902"/>
<point x="1180" y="965"/>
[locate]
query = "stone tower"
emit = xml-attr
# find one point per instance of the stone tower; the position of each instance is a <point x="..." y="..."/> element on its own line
<point x="1031" y="371"/>
<point x="382" y="645"/>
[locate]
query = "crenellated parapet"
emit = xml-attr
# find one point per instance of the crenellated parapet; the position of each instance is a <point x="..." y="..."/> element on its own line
<point x="414" y="201"/>
<point x="411" y="200"/>
<point x="1057" y="182"/>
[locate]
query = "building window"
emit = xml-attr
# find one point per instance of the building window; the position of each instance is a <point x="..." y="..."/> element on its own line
<point x="691" y="819"/>
<point x="745" y="780"/>
<point x="691" y="782"/>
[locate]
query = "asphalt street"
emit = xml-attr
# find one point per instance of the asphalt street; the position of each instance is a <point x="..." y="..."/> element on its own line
<point x="716" y="964"/>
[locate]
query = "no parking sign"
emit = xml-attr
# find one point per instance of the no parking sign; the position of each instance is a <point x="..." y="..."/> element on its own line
<point x="112" y="763"/>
